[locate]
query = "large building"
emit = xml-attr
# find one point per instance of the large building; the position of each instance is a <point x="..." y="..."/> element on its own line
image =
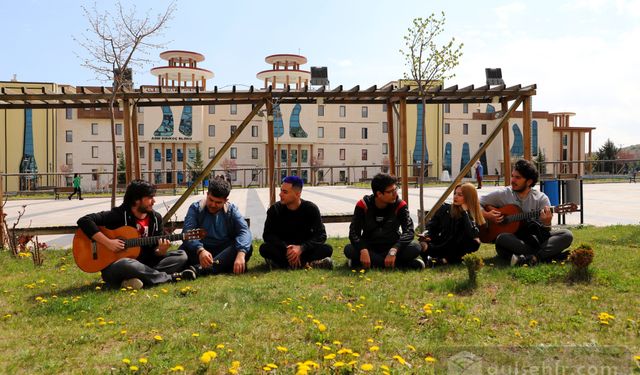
<point x="320" y="142"/>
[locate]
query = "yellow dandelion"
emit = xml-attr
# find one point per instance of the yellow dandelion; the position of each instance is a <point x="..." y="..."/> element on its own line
<point x="326" y="348"/>
<point x="123" y="332"/>
<point x="157" y="338"/>
<point x="220" y="346"/>
<point x="133" y="368"/>
<point x="400" y="359"/>
<point x="126" y="361"/>
<point x="336" y="342"/>
<point x="374" y="348"/>
<point x="594" y="298"/>
<point x="533" y="323"/>
<point x="366" y="367"/>
<point x="430" y="359"/>
<point x="282" y="349"/>
<point x="177" y="368"/>
<point x="385" y="368"/>
<point x="411" y="347"/>
<point x="450" y="295"/>
<point x="322" y="327"/>
<point x="195" y="334"/>
<point x="345" y="350"/>
<point x="330" y="356"/>
<point x="143" y="360"/>
<point x="207" y="356"/>
<point x="339" y="364"/>
<point x="377" y="328"/>
<point x="272" y="366"/>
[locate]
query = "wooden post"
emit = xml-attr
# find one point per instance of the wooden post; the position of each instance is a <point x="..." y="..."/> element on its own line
<point x="506" y="153"/>
<point x="136" y="144"/>
<point x="2" y="239"/>
<point x="270" y="156"/>
<point x="526" y="127"/>
<point x="127" y="140"/>
<point x="404" y="169"/>
<point x="391" y="140"/>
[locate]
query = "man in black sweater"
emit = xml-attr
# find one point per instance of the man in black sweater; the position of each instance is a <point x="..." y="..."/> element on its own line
<point x="294" y="236"/>
<point x="381" y="231"/>
<point x="155" y="264"/>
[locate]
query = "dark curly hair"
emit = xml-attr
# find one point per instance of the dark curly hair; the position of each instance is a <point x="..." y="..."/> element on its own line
<point x="137" y="190"/>
<point x="527" y="170"/>
<point x="381" y="182"/>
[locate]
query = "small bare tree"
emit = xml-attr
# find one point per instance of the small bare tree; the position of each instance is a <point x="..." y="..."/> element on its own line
<point x="114" y="43"/>
<point x="429" y="65"/>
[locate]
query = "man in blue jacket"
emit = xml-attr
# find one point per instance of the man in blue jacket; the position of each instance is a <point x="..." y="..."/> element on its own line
<point x="227" y="245"/>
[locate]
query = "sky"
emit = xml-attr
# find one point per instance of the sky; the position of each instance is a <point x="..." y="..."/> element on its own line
<point x="582" y="55"/>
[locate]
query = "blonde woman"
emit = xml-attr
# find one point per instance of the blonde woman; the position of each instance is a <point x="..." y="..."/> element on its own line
<point x="453" y="230"/>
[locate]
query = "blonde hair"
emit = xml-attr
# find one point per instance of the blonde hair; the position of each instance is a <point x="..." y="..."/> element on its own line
<point x="470" y="195"/>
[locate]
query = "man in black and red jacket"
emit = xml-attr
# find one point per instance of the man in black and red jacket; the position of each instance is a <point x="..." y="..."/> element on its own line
<point x="381" y="231"/>
<point x="155" y="264"/>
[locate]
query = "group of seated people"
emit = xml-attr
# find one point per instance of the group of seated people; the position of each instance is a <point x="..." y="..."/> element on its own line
<point x="381" y="233"/>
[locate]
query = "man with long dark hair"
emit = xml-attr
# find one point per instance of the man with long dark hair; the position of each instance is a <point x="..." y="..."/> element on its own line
<point x="536" y="241"/>
<point x="155" y="264"/>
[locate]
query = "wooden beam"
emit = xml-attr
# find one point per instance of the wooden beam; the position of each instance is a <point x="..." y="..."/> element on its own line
<point x="270" y="155"/>
<point x="136" y="144"/>
<point x="502" y="126"/>
<point x="506" y="153"/>
<point x="391" y="139"/>
<point x="404" y="168"/>
<point x="526" y="127"/>
<point x="127" y="140"/>
<point x="212" y="163"/>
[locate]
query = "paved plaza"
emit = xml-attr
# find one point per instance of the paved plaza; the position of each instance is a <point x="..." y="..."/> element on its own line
<point x="604" y="204"/>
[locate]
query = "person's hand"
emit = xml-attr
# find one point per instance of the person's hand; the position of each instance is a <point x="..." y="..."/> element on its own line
<point x="293" y="255"/>
<point x="365" y="259"/>
<point x="239" y="266"/>
<point x="115" y="245"/>
<point x="163" y="247"/>
<point x="205" y="258"/>
<point x="546" y="215"/>
<point x="390" y="259"/>
<point x="495" y="217"/>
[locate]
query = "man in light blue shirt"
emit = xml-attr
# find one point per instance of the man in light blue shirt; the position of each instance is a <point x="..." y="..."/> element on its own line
<point x="227" y="245"/>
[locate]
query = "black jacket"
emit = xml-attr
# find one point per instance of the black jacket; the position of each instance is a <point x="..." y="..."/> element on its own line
<point x="118" y="217"/>
<point x="303" y="226"/>
<point x="372" y="227"/>
<point x="451" y="238"/>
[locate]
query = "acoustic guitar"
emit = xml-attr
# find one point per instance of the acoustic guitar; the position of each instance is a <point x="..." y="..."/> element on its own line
<point x="513" y="218"/>
<point x="91" y="256"/>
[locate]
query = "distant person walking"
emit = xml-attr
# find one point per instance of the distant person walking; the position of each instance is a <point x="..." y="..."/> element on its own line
<point x="479" y="173"/>
<point x="77" y="182"/>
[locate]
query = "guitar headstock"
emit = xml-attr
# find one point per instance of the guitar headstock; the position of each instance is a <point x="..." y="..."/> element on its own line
<point x="565" y="208"/>
<point x="194" y="234"/>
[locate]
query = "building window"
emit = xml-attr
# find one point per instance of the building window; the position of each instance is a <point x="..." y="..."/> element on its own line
<point x="365" y="133"/>
<point x="212" y="130"/>
<point x="294" y="156"/>
<point x="140" y="109"/>
<point x="94" y="151"/>
<point x="141" y="152"/>
<point x="364" y="154"/>
<point x="447" y="108"/>
<point x="447" y="128"/>
<point x="343" y="154"/>
<point x="169" y="154"/>
<point x="254" y="153"/>
<point x="283" y="156"/>
<point x="212" y="109"/>
<point x="179" y="155"/>
<point x="119" y="152"/>
<point x="233" y="152"/>
<point x="343" y="133"/>
<point x="69" y="113"/>
<point x="343" y="111"/>
<point x="385" y="127"/>
<point x="365" y="111"/>
<point x="321" y="154"/>
<point x="305" y="155"/>
<point x="254" y="131"/>
<point x="212" y="152"/>
<point x="140" y="129"/>
<point x="364" y="174"/>
<point x="94" y="175"/>
<point x="321" y="110"/>
<point x="233" y="129"/>
<point x="384" y="108"/>
<point x="385" y="148"/>
<point x="118" y="129"/>
<point x="157" y="156"/>
<point x="484" y="129"/>
<point x="320" y="131"/>
<point x="465" y="107"/>
<point x="68" y="136"/>
<point x="465" y="129"/>
<point x="233" y="109"/>
<point x="94" y="129"/>
<point x="69" y="159"/>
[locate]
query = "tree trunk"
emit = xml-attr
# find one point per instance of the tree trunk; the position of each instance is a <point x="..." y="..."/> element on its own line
<point x="114" y="171"/>
<point x="423" y="148"/>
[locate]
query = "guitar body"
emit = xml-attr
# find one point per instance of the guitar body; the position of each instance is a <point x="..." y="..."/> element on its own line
<point x="490" y="231"/>
<point x="91" y="256"/>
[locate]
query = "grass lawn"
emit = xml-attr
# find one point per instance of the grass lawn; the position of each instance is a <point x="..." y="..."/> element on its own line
<point x="57" y="319"/>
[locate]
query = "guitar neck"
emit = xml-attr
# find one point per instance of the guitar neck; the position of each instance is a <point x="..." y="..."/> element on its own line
<point x="146" y="241"/>
<point x="524" y="216"/>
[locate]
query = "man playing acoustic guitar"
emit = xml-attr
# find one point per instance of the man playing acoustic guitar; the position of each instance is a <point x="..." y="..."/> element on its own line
<point x="155" y="264"/>
<point x="534" y="240"/>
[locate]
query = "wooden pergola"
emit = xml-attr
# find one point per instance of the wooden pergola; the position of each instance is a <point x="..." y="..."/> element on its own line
<point x="396" y="99"/>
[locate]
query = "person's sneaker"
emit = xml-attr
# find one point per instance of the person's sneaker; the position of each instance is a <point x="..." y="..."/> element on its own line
<point x="433" y="261"/>
<point x="134" y="284"/>
<point x="349" y="263"/>
<point x="521" y="260"/>
<point x="416" y="264"/>
<point x="324" y="263"/>
<point x="188" y="274"/>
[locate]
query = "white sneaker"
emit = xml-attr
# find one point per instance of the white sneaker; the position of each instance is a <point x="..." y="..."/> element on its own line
<point x="134" y="284"/>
